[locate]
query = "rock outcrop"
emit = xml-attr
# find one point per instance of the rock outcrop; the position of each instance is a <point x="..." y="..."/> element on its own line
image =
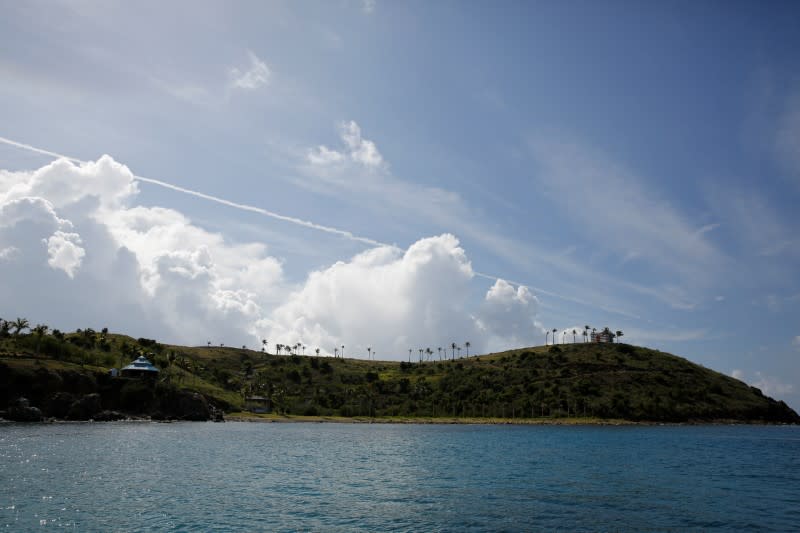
<point x="22" y="411"/>
<point x="86" y="408"/>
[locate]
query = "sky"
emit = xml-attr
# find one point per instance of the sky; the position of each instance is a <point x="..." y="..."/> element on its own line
<point x="405" y="175"/>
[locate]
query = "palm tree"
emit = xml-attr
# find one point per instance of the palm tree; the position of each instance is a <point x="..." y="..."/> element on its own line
<point x="19" y="324"/>
<point x="278" y="348"/>
<point x="459" y="351"/>
<point x="40" y="331"/>
<point x="440" y="353"/>
<point x="554" y="335"/>
<point x="546" y="336"/>
<point x="574" y="333"/>
<point x="335" y="352"/>
<point x="453" y="346"/>
<point x="563" y="336"/>
<point x="619" y="334"/>
<point x="304" y="349"/>
<point x="594" y="334"/>
<point x="420" y="355"/>
<point x="409" y="355"/>
<point x="585" y="332"/>
<point x="369" y="352"/>
<point x="209" y="344"/>
<point x="317" y="350"/>
<point x="467" y="345"/>
<point x="264" y="344"/>
<point x="342" y="351"/>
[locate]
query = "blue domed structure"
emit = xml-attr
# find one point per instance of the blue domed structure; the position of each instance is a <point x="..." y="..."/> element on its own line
<point x="141" y="367"/>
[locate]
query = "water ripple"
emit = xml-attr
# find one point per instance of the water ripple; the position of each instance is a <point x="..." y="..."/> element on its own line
<point x="321" y="477"/>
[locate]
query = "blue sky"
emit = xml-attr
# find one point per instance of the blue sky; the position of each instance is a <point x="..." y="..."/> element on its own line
<point x="632" y="165"/>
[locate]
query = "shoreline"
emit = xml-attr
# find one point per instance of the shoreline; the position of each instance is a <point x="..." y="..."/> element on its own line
<point x="240" y="417"/>
<point x="578" y="421"/>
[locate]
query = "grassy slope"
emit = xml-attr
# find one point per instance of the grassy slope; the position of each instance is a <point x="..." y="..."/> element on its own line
<point x="581" y="380"/>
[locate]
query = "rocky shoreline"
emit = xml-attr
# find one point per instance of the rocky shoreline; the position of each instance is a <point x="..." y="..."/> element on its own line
<point x="62" y="407"/>
<point x="65" y="394"/>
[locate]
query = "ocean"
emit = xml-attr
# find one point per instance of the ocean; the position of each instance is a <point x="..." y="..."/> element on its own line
<point x="139" y="476"/>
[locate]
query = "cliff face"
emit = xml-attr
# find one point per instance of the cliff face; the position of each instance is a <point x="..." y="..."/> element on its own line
<point x="74" y="394"/>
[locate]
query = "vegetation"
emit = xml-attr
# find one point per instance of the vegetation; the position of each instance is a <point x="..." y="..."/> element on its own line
<point x="570" y="381"/>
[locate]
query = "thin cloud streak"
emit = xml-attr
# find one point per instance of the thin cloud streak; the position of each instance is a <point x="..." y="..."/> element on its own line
<point x="38" y="150"/>
<point x="243" y="207"/>
<point x="305" y="223"/>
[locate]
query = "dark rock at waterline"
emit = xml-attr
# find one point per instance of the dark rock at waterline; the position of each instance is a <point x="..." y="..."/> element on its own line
<point x="86" y="408"/>
<point x="182" y="405"/>
<point x="21" y="411"/>
<point x="192" y="406"/>
<point x="58" y="405"/>
<point x="74" y="394"/>
<point x="109" y="416"/>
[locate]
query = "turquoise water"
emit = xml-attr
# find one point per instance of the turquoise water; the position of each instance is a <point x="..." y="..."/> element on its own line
<point x="329" y="477"/>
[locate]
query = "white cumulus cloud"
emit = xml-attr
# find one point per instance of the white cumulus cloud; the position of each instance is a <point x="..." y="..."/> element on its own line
<point x="393" y="301"/>
<point x="65" y="252"/>
<point x="508" y="316"/>
<point x="356" y="149"/>
<point x="151" y="271"/>
<point x="255" y="75"/>
<point x="383" y="298"/>
<point x="158" y="273"/>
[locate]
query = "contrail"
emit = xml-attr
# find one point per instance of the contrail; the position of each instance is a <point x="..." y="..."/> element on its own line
<point x="38" y="150"/>
<point x="198" y="194"/>
<point x="262" y="211"/>
<point x="304" y="223"/>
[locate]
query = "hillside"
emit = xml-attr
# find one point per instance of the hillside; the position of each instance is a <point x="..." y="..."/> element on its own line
<point x="601" y="381"/>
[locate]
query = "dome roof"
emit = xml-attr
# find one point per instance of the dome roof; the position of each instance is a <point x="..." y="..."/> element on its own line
<point x="141" y="364"/>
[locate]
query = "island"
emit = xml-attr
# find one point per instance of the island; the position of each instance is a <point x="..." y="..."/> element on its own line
<point x="50" y="375"/>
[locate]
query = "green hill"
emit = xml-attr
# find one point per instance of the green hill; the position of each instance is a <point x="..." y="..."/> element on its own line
<point x="599" y="381"/>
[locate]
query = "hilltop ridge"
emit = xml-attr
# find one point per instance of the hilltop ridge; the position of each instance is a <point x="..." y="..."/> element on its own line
<point x="588" y="380"/>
